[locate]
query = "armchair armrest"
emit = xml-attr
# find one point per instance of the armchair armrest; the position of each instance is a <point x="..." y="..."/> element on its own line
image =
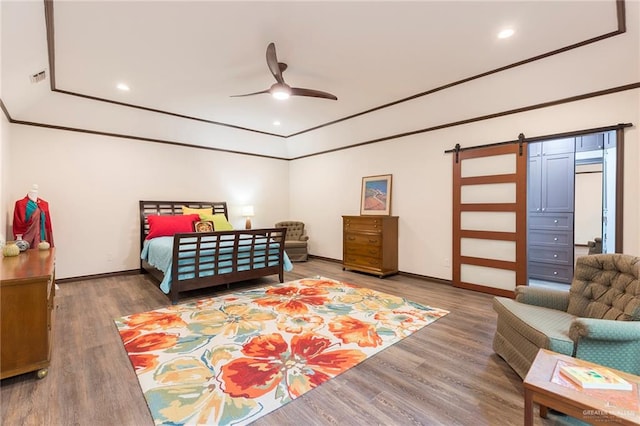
<point x="599" y="329"/>
<point x="304" y="237"/>
<point x="544" y="297"/>
<point x="611" y="343"/>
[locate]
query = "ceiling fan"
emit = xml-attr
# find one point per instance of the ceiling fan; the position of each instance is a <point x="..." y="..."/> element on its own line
<point x="280" y="89"/>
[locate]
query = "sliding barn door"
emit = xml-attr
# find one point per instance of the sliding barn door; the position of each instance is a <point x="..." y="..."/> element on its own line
<point x="490" y="218"/>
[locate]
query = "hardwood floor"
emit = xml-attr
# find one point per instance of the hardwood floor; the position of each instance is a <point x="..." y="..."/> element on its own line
<point x="445" y="374"/>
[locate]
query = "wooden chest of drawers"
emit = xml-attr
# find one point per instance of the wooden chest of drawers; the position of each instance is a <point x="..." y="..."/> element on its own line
<point x="370" y="244"/>
<point x="27" y="290"/>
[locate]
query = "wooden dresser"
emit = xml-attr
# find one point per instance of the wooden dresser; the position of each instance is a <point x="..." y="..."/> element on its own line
<point x="370" y="244"/>
<point x="27" y="290"/>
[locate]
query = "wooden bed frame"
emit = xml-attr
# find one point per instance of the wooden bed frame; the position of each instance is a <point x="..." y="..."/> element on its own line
<point x="245" y="239"/>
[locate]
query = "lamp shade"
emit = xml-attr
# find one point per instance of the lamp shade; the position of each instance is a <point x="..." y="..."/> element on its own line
<point x="247" y="211"/>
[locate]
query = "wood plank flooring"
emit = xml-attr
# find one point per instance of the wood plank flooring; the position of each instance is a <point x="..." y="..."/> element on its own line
<point x="445" y="374"/>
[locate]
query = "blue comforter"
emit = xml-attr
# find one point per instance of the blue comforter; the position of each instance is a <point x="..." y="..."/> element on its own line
<point x="158" y="252"/>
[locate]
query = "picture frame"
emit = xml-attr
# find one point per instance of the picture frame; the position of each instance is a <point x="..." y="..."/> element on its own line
<point x="375" y="198"/>
<point x="203" y="226"/>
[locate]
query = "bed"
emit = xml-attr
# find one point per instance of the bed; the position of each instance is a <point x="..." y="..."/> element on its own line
<point x="196" y="260"/>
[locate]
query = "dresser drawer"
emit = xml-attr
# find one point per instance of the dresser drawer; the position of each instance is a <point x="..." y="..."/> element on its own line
<point x="365" y="261"/>
<point x="367" y="239"/>
<point x="362" y="224"/>
<point x="549" y="272"/>
<point x="362" y="250"/>
<point x="555" y="255"/>
<point x="550" y="238"/>
<point x="550" y="221"/>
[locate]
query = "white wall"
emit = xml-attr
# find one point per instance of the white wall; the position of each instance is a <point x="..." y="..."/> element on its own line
<point x="93" y="185"/>
<point x="327" y="186"/>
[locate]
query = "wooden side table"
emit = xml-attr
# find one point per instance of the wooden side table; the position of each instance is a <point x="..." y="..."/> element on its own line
<point x="546" y="387"/>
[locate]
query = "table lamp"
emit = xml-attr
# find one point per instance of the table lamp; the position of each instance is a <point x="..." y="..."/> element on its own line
<point x="247" y="211"/>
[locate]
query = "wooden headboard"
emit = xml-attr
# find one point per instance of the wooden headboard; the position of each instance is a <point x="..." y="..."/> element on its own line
<point x="172" y="208"/>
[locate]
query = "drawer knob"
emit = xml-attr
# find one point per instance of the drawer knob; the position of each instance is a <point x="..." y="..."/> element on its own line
<point x="373" y="241"/>
<point x="555" y="255"/>
<point x="555" y="221"/>
<point x="555" y="239"/>
<point x="351" y="238"/>
<point x="555" y="272"/>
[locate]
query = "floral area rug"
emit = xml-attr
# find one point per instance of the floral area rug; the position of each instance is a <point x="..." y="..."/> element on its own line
<point x="234" y="358"/>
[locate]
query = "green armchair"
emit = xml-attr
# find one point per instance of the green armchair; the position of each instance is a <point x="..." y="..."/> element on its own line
<point x="597" y="320"/>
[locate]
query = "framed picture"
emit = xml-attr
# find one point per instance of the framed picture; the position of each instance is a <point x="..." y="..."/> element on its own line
<point x="203" y="226"/>
<point x="376" y="195"/>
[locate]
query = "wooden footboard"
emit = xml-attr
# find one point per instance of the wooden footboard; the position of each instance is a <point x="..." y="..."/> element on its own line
<point x="208" y="259"/>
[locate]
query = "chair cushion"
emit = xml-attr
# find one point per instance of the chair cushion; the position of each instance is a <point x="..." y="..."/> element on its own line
<point x="606" y="286"/>
<point x="295" y="244"/>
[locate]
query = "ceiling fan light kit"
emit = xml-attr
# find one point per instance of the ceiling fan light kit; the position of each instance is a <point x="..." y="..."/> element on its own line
<point x="281" y="90"/>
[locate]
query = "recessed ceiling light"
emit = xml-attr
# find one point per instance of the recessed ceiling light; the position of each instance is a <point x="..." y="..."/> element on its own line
<point x="276" y="123"/>
<point x="506" y="33"/>
<point x="123" y="87"/>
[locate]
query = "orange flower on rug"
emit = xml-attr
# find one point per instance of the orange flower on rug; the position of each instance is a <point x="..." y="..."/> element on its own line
<point x="234" y="358"/>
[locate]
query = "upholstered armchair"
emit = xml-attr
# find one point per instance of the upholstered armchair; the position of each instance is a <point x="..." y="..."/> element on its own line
<point x="597" y="320"/>
<point x="295" y="240"/>
<point x="595" y="246"/>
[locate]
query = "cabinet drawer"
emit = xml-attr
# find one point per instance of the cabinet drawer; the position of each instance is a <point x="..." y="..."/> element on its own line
<point x="351" y="238"/>
<point x="365" y="224"/>
<point x="558" y="221"/>
<point x="549" y="272"/>
<point x="554" y="255"/>
<point x="366" y="261"/>
<point x="362" y="250"/>
<point x="551" y="238"/>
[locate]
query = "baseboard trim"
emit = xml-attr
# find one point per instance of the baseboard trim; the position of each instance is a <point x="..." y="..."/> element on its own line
<point x="404" y="274"/>
<point x="96" y="276"/>
<point x="311" y="256"/>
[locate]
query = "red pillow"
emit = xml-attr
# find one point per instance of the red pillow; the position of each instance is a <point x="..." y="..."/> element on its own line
<point x="167" y="226"/>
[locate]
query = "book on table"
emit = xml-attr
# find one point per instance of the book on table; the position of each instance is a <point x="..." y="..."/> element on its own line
<point x="595" y="377"/>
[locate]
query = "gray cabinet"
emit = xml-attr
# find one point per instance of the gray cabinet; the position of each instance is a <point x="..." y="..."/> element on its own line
<point x="551" y="177"/>
<point x="591" y="142"/>
<point x="551" y="181"/>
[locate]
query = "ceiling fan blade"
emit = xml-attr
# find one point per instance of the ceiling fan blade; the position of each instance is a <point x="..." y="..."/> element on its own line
<point x="250" y="94"/>
<point x="297" y="91"/>
<point x="272" y="63"/>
